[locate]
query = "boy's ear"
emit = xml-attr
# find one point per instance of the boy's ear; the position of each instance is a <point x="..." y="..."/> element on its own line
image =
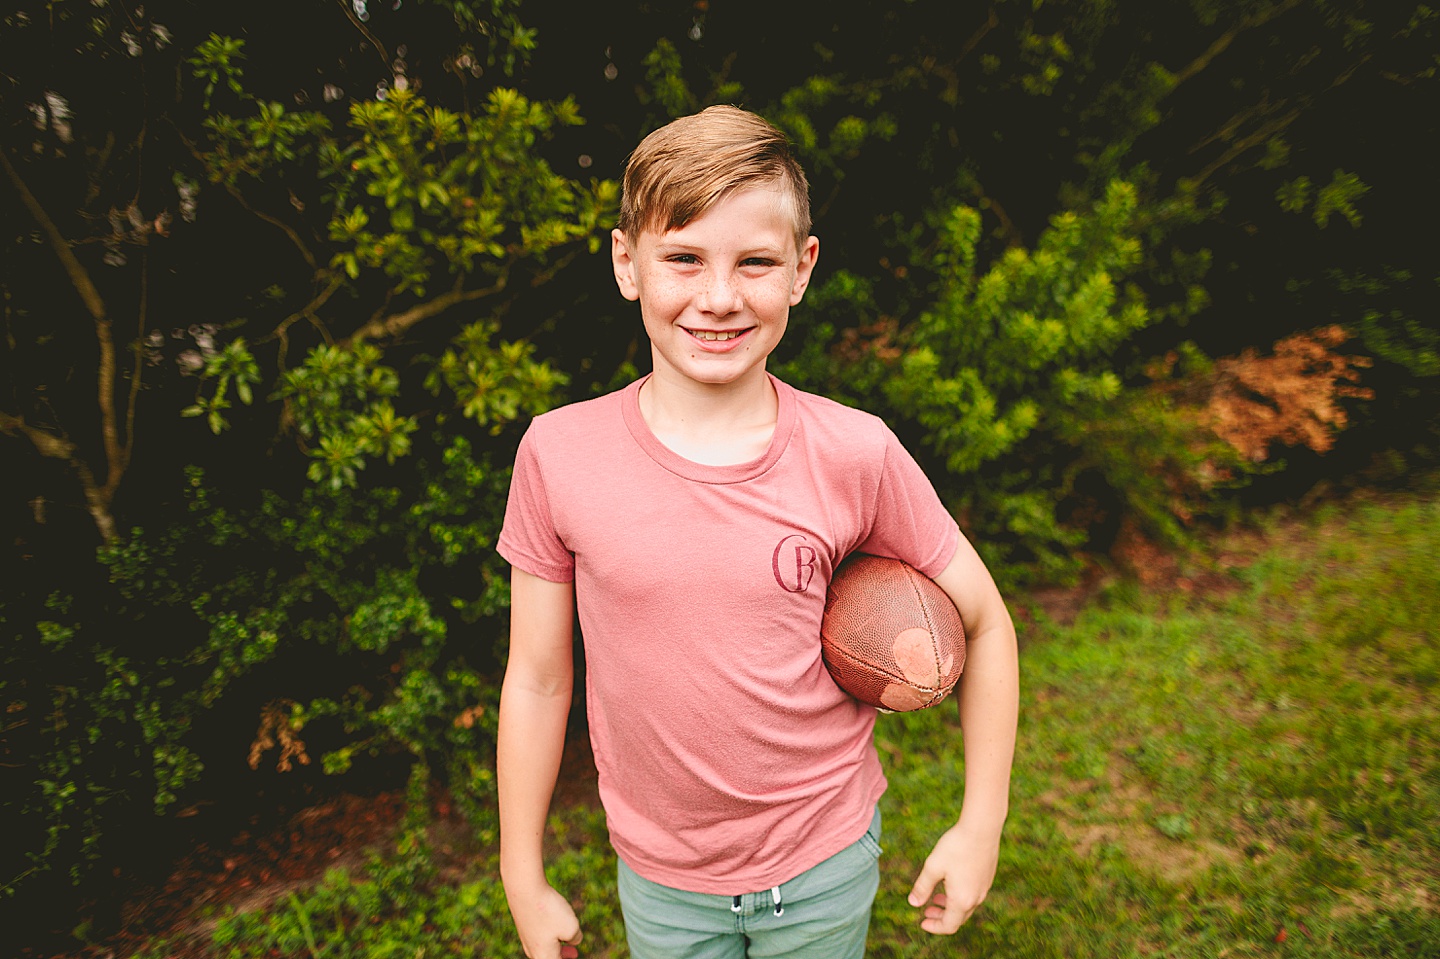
<point x="809" y="253"/>
<point x="624" y="262"/>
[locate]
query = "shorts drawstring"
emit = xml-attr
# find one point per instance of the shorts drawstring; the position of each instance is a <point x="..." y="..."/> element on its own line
<point x="737" y="902"/>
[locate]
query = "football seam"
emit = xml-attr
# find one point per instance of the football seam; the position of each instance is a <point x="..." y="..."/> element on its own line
<point x="836" y="652"/>
<point x="910" y="573"/>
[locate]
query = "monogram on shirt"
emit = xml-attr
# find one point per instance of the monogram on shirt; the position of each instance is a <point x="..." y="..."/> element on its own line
<point x="794" y="563"/>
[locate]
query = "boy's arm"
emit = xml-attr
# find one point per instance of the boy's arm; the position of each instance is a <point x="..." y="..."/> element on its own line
<point x="965" y="857"/>
<point x="534" y="707"/>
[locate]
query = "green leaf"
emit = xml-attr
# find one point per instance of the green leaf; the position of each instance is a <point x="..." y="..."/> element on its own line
<point x="1294" y="195"/>
<point x="1339" y="196"/>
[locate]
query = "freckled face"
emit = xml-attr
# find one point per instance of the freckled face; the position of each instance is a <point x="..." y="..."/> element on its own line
<point x="715" y="294"/>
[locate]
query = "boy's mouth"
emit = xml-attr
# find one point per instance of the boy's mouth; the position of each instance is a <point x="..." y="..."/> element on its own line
<point x="713" y="335"/>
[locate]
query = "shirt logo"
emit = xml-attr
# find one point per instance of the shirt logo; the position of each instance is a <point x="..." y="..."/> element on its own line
<point x="794" y="563"/>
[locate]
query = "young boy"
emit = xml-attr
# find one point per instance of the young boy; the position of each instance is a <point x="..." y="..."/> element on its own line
<point x="694" y="519"/>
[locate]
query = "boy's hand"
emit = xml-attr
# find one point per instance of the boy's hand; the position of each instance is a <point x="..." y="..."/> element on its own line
<point x="546" y="923"/>
<point x="964" y="859"/>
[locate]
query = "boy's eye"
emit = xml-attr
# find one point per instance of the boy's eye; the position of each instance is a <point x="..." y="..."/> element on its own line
<point x="757" y="261"/>
<point x="684" y="258"/>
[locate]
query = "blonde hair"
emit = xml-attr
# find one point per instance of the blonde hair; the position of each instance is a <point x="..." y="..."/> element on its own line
<point x="684" y="168"/>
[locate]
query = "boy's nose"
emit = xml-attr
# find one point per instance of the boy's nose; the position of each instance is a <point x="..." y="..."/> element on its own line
<point x="722" y="295"/>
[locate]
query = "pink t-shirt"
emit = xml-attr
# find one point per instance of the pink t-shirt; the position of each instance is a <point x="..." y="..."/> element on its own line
<point x="728" y="759"/>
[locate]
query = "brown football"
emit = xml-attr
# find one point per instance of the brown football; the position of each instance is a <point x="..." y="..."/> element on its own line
<point x="891" y="637"/>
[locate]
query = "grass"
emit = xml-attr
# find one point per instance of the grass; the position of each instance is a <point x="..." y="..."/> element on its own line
<point x="1206" y="777"/>
<point x="1248" y="771"/>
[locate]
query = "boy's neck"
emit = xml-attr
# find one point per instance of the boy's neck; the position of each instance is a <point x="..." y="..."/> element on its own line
<point x="713" y="425"/>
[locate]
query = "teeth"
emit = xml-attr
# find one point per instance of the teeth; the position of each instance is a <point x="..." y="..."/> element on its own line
<point x="708" y="335"/>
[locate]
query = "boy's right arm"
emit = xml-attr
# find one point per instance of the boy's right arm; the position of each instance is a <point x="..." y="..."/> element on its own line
<point x="534" y="708"/>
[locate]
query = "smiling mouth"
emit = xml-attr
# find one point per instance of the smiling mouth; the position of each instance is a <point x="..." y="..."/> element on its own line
<point x="712" y="335"/>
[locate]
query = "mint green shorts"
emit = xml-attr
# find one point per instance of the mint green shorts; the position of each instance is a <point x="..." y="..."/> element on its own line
<point x="823" y="913"/>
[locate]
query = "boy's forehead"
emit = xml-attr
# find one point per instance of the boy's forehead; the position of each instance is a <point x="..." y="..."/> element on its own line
<point x="655" y="229"/>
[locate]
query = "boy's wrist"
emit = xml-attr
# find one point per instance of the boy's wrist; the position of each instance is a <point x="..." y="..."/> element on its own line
<point x="985" y="821"/>
<point x="520" y="872"/>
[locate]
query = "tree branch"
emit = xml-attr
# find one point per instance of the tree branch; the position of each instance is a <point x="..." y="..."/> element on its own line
<point x="947" y="70"/>
<point x="1266" y="130"/>
<point x="397" y="323"/>
<point x="81" y="279"/>
<point x="1261" y="134"/>
<point x="549" y="273"/>
<point x="991" y="22"/>
<point x="277" y="223"/>
<point x="97" y="500"/>
<point x="306" y="312"/>
<point x="1223" y="41"/>
<point x="239" y="197"/>
<point x="93" y="190"/>
<point x="1007" y="226"/>
<point x="139" y="351"/>
<point x="105" y="377"/>
<point x="360" y="25"/>
<point x="46" y="444"/>
<point x="1227" y="130"/>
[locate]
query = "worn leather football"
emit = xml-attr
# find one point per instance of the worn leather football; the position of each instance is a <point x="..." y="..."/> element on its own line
<point x="891" y="637"/>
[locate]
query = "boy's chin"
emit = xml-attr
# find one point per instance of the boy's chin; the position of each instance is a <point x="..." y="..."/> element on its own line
<point x="724" y="373"/>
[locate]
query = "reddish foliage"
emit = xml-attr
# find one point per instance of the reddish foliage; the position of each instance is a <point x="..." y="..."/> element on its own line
<point x="1292" y="396"/>
<point x="277" y="728"/>
<point x="876" y="339"/>
<point x="1212" y="420"/>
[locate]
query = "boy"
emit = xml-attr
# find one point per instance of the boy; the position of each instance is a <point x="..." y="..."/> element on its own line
<point x="694" y="518"/>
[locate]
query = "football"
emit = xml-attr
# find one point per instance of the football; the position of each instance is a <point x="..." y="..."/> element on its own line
<point x="891" y="637"/>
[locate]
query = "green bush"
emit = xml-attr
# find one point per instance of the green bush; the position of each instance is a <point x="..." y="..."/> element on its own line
<point x="340" y="587"/>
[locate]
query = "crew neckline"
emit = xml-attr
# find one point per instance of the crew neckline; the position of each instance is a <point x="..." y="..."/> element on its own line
<point x="670" y="460"/>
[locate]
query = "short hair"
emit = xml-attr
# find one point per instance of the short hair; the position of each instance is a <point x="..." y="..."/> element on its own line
<point x="681" y="170"/>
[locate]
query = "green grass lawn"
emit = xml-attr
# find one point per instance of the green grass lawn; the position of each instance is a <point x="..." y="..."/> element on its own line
<point x="1250" y="769"/>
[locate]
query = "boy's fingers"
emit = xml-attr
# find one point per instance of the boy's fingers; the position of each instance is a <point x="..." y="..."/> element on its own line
<point x="924" y="886"/>
<point x="945" y="916"/>
<point x="949" y="919"/>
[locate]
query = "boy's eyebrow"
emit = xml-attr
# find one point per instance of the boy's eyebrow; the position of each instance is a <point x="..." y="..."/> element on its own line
<point x="674" y="246"/>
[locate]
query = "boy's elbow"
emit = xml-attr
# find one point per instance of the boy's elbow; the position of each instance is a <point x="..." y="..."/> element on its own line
<point x="543" y="683"/>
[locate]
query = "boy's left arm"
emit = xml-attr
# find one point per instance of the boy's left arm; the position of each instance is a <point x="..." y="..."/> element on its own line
<point x="965" y="856"/>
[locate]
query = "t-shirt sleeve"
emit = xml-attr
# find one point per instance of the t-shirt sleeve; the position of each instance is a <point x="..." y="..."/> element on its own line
<point x="528" y="539"/>
<point x="909" y="521"/>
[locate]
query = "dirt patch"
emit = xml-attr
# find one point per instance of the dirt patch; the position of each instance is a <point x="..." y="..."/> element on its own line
<point x="1125" y="816"/>
<point x="254" y="871"/>
<point x="1058" y="604"/>
<point x="1207" y="573"/>
<point x="1393" y="894"/>
<point x="1175" y="860"/>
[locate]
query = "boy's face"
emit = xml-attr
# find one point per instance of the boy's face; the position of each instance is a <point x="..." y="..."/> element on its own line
<point x="715" y="294"/>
